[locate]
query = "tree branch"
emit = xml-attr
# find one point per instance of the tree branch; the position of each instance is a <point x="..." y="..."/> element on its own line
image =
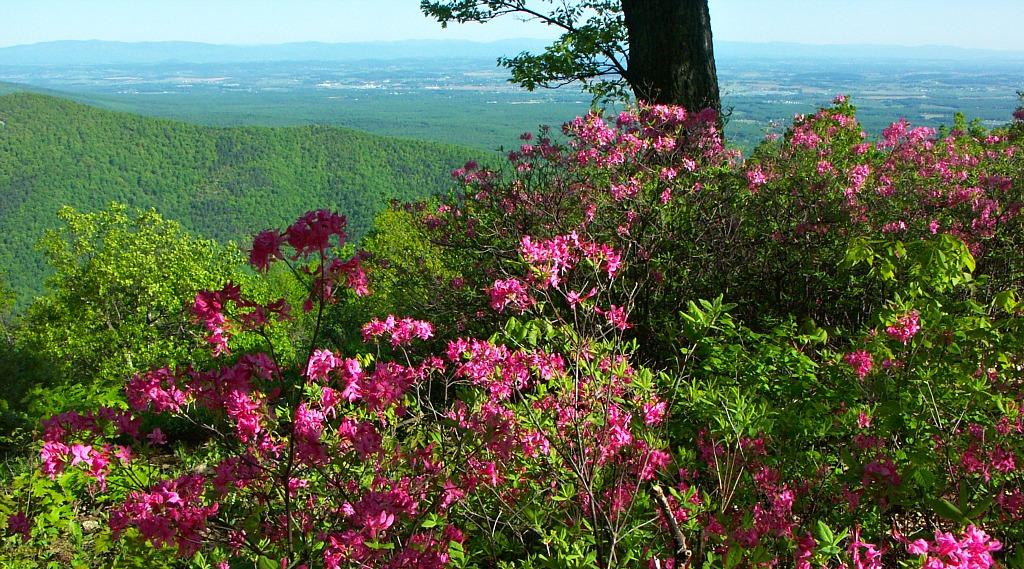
<point x="683" y="553"/>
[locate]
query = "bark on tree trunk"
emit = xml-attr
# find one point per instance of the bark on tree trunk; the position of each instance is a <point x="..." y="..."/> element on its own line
<point x="671" y="59"/>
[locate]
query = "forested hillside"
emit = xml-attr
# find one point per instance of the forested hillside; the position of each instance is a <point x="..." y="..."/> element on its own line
<point x="220" y="182"/>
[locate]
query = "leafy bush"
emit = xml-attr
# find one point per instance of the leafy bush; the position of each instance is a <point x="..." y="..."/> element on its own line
<point x="654" y="354"/>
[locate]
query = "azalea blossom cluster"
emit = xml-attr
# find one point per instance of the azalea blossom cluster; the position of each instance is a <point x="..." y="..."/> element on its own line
<point x="172" y="513"/>
<point x="909" y="182"/>
<point x="643" y="158"/>
<point x="553" y="258"/>
<point x="772" y="510"/>
<point x="313" y="235"/>
<point x="551" y="261"/>
<point x="573" y="420"/>
<point x="211" y="309"/>
<point x="650" y="129"/>
<point x="905" y="328"/>
<point x="861" y="362"/>
<point x="972" y="551"/>
<point x="310" y="234"/>
<point x="401" y="331"/>
<point x="78" y="440"/>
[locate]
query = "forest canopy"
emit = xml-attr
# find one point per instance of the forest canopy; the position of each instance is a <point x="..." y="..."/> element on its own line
<point x="222" y="183"/>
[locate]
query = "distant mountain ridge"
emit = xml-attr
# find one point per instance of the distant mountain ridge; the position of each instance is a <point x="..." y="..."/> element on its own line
<point x="785" y="50"/>
<point x="98" y="52"/>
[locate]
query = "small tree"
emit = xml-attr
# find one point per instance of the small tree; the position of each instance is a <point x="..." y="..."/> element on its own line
<point x="661" y="50"/>
<point x="115" y="304"/>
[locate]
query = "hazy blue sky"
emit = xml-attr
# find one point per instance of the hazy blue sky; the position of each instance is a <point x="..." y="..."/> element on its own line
<point x="981" y="23"/>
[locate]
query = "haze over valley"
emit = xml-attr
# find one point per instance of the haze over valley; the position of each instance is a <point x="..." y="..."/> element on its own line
<point x="452" y="91"/>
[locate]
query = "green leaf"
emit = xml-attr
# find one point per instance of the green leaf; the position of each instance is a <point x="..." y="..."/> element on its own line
<point x="456" y="553"/>
<point x="947" y="510"/>
<point x="980" y="509"/>
<point x="823" y="532"/>
<point x="380" y="545"/>
<point x="432" y="521"/>
<point x="1006" y="301"/>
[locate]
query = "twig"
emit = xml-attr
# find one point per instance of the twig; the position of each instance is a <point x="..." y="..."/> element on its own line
<point x="683" y="553"/>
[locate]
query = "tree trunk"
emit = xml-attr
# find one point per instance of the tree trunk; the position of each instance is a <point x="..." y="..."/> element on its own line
<point x="671" y="59"/>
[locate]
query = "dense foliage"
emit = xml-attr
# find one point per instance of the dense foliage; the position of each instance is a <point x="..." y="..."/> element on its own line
<point x="115" y="305"/>
<point x="218" y="182"/>
<point x="627" y="349"/>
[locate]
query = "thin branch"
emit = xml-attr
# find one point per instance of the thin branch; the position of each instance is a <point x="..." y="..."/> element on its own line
<point x="683" y="553"/>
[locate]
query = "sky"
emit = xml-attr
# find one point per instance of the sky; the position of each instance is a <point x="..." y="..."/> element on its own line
<point x="989" y="24"/>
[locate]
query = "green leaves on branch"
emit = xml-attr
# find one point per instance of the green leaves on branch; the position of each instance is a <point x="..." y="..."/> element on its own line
<point x="117" y="303"/>
<point x="591" y="50"/>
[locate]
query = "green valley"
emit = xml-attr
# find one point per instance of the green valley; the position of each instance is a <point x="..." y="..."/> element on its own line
<point x="221" y="182"/>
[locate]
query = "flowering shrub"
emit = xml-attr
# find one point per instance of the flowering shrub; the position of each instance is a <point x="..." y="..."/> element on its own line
<point x="893" y="267"/>
<point x="647" y="353"/>
<point x="313" y="465"/>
